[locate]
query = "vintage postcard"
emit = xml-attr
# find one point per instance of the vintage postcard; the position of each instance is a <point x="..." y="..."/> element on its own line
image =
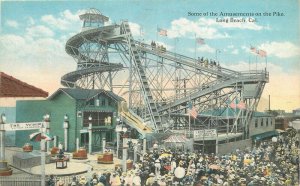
<point x="149" y="92"/>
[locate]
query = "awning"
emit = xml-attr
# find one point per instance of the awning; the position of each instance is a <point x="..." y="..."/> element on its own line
<point x="265" y="135"/>
<point x="176" y="139"/>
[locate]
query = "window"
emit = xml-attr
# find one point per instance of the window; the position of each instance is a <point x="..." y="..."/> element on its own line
<point x="91" y="102"/>
<point x="98" y="118"/>
<point x="261" y="122"/>
<point x="103" y="102"/>
<point x="256" y="123"/>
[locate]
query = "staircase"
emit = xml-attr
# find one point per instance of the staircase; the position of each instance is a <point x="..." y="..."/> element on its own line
<point x="148" y="98"/>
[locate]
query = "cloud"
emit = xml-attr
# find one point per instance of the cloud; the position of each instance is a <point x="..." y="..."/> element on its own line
<point x="260" y="66"/>
<point x="239" y="25"/>
<point x="281" y="49"/>
<point x="12" y="23"/>
<point x="135" y="29"/>
<point x="183" y="27"/>
<point x="30" y="21"/>
<point x="207" y="28"/>
<point x="206" y="48"/>
<point x="235" y="51"/>
<point x="66" y="20"/>
<point x="35" y="59"/>
<point x="39" y="31"/>
<point x="230" y="46"/>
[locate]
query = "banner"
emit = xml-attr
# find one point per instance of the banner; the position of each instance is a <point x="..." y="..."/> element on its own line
<point x="208" y="133"/>
<point x="23" y="126"/>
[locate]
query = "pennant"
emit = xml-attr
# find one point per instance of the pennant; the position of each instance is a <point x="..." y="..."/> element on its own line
<point x="192" y="111"/>
<point x="162" y="32"/>
<point x="200" y="41"/>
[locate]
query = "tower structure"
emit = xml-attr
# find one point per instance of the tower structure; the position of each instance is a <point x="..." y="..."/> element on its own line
<point x="158" y="84"/>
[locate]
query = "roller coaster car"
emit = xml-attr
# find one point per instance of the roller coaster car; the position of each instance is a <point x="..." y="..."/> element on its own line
<point x="106" y="158"/>
<point x="162" y="49"/>
<point x="80" y="154"/>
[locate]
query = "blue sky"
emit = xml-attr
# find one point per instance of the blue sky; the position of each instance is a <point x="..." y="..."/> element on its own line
<point x="33" y="35"/>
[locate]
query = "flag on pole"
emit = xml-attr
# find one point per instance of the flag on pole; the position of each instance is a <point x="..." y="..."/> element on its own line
<point x="192" y="110"/>
<point x="233" y="104"/>
<point x="253" y="49"/>
<point x="241" y="105"/>
<point x="162" y="32"/>
<point x="262" y="53"/>
<point x="200" y="41"/>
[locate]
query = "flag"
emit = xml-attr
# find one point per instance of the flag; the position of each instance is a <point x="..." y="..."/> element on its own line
<point x="241" y="105"/>
<point x="262" y="53"/>
<point x="233" y="104"/>
<point x="253" y="49"/>
<point x="162" y="32"/>
<point x="200" y="41"/>
<point x="192" y="110"/>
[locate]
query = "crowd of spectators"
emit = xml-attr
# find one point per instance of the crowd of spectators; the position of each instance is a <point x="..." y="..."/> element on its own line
<point x="266" y="163"/>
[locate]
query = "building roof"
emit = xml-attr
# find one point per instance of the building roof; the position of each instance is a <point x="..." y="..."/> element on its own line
<point x="85" y="94"/>
<point x="229" y="112"/>
<point x="12" y="87"/>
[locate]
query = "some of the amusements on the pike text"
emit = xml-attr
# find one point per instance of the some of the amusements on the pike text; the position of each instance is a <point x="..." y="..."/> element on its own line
<point x="236" y="17"/>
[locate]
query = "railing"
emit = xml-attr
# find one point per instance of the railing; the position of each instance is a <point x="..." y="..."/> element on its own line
<point x="182" y="58"/>
<point x="34" y="180"/>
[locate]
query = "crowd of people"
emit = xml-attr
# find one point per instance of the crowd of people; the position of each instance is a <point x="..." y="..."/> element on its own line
<point x="208" y="63"/>
<point x="268" y="163"/>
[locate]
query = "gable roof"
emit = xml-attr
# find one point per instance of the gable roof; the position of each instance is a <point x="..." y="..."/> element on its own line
<point x="12" y="87"/>
<point x="85" y="94"/>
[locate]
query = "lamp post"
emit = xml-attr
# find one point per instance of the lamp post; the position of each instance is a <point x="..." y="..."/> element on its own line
<point x="90" y="134"/>
<point x="4" y="169"/>
<point x="125" y="146"/>
<point x="43" y="150"/>
<point x="47" y="126"/>
<point x="118" y="130"/>
<point x="66" y="126"/>
<point x="2" y="133"/>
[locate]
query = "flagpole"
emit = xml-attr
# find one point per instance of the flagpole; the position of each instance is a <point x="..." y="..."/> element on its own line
<point x="190" y="117"/>
<point x="189" y="125"/>
<point x="195" y="49"/>
<point x="156" y="33"/>
<point x="266" y="63"/>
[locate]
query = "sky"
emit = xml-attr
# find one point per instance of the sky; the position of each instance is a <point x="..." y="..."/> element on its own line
<point x="33" y="36"/>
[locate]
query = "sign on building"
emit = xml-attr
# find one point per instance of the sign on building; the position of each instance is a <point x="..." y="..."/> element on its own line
<point x="207" y="133"/>
<point x="23" y="126"/>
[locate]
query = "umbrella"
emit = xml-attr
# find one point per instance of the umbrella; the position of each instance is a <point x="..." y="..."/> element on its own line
<point x="37" y="136"/>
<point x="214" y="166"/>
<point x="165" y="155"/>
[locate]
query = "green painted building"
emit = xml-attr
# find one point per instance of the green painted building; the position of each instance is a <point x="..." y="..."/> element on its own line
<point x="81" y="106"/>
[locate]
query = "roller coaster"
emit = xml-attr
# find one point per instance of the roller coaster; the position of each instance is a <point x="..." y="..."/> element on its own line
<point x="159" y="84"/>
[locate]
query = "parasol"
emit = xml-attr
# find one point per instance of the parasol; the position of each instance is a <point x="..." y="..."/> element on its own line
<point x="165" y="155"/>
<point x="214" y="166"/>
<point x="37" y="136"/>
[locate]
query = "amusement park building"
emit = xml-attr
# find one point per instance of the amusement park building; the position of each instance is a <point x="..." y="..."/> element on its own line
<point x="81" y="106"/>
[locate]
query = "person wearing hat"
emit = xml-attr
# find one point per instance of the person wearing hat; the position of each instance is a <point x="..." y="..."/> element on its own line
<point x="136" y="181"/>
<point x="82" y="181"/>
<point x="115" y="179"/>
<point x="162" y="181"/>
<point x="102" y="178"/>
<point x="150" y="180"/>
<point x="157" y="167"/>
<point x="60" y="183"/>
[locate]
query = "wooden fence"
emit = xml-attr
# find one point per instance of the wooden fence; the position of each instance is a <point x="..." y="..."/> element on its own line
<point x="32" y="180"/>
